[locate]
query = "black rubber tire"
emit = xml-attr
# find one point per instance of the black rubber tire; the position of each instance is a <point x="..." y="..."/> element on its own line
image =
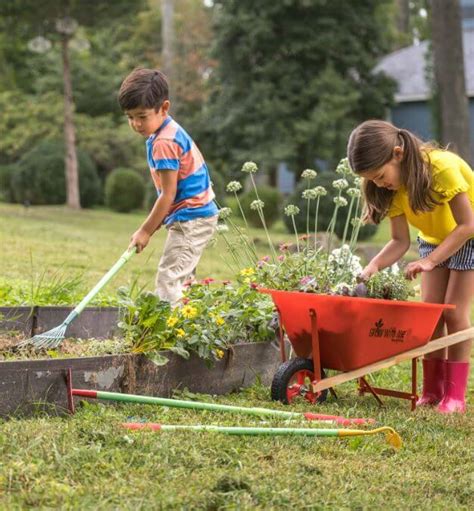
<point x="283" y="377"/>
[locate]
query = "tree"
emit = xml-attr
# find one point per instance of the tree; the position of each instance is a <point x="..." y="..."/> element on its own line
<point x="448" y="60"/>
<point x="23" y="16"/>
<point x="294" y="77"/>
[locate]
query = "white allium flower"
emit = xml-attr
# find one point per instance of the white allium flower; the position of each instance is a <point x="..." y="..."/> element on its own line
<point x="222" y="228"/>
<point x="395" y="268"/>
<point x="353" y="192"/>
<point x="233" y="186"/>
<point x="224" y="213"/>
<point x="340" y="184"/>
<point x="357" y="181"/>
<point x="249" y="167"/>
<point x="320" y="191"/>
<point x="343" y="167"/>
<point x="291" y="210"/>
<point x="309" y="194"/>
<point x="309" y="174"/>
<point x="357" y="222"/>
<point x="257" y="204"/>
<point x="343" y="257"/>
<point x="340" y="201"/>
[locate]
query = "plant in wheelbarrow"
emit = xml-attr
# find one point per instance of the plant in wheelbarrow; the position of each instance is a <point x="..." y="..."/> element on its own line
<point x="332" y="320"/>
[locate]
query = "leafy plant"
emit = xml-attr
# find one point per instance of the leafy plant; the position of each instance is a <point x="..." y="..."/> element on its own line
<point x="212" y="317"/>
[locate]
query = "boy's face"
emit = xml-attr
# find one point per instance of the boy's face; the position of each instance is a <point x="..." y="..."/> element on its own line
<point x="145" y="121"/>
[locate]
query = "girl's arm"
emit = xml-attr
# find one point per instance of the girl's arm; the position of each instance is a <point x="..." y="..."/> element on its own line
<point x="464" y="217"/>
<point x="169" y="183"/>
<point x="393" y="250"/>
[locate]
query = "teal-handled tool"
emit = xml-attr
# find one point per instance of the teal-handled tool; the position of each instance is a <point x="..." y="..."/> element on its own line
<point x="53" y="338"/>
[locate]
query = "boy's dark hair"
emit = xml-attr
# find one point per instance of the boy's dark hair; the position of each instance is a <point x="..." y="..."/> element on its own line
<point x="143" y="88"/>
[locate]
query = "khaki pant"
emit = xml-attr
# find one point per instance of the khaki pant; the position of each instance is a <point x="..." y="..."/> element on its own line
<point x="184" y="246"/>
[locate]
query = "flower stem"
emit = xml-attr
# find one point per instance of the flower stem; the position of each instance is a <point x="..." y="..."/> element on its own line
<point x="296" y="233"/>
<point x="316" y="223"/>
<point x="348" y="219"/>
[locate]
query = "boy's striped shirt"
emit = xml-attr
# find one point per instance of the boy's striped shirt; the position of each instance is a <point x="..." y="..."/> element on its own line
<point x="171" y="148"/>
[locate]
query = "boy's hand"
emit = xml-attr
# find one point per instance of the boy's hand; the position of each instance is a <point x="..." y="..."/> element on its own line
<point x="367" y="272"/>
<point x="412" y="269"/>
<point x="140" y="240"/>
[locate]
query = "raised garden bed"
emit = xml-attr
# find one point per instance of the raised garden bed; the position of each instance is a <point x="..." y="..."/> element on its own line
<point x="29" y="386"/>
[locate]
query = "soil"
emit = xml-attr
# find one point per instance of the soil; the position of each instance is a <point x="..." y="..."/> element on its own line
<point x="69" y="348"/>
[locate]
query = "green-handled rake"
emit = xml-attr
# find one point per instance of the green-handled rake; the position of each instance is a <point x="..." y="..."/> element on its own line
<point x="53" y="338"/>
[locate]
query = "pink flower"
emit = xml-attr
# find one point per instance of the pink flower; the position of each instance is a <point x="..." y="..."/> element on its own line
<point x="253" y="285"/>
<point x="225" y="282"/>
<point x="207" y="281"/>
<point x="281" y="257"/>
<point x="185" y="300"/>
<point x="284" y="247"/>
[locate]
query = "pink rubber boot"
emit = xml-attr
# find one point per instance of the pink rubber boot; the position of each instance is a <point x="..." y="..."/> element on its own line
<point x="457" y="374"/>
<point x="434" y="370"/>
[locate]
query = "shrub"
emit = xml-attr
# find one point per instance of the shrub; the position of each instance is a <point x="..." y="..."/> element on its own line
<point x="6" y="190"/>
<point x="272" y="199"/>
<point x="124" y="190"/>
<point x="39" y="176"/>
<point x="326" y="209"/>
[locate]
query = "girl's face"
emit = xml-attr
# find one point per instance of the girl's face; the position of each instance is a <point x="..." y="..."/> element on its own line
<point x="388" y="175"/>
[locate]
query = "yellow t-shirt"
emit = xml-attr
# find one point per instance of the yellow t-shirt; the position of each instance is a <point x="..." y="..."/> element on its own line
<point x="451" y="175"/>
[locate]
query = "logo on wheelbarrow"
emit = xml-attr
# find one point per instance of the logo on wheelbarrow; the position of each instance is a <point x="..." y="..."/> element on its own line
<point x="394" y="333"/>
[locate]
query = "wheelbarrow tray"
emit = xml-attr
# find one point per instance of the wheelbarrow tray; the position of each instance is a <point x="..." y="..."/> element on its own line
<point x="354" y="332"/>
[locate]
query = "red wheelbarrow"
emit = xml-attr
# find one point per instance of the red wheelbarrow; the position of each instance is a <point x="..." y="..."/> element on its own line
<point x="356" y="336"/>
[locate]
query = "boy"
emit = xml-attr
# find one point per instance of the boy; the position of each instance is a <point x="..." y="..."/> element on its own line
<point x="185" y="203"/>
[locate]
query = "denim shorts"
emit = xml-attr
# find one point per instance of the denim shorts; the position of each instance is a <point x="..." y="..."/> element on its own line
<point x="461" y="260"/>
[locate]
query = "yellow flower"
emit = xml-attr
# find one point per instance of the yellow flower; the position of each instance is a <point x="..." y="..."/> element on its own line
<point x="219" y="321"/>
<point x="180" y="332"/>
<point x="247" y="272"/>
<point x="220" y="353"/>
<point x="171" y="321"/>
<point x="189" y="311"/>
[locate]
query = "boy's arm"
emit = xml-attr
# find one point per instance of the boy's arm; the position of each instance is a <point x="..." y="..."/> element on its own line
<point x="169" y="183"/>
<point x="393" y="250"/>
<point x="464" y="216"/>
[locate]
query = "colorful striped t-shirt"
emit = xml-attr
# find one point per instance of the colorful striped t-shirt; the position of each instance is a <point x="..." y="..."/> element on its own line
<point x="171" y="148"/>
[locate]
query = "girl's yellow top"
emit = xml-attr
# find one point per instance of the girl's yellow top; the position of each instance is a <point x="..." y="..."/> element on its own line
<point x="451" y="175"/>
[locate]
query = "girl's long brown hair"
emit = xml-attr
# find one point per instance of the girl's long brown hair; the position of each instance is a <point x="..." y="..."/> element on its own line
<point x="370" y="146"/>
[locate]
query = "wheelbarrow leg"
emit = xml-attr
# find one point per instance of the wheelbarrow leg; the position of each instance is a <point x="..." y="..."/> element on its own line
<point x="318" y="373"/>
<point x="281" y="337"/>
<point x="315" y="345"/>
<point x="414" y="396"/>
<point x="364" y="387"/>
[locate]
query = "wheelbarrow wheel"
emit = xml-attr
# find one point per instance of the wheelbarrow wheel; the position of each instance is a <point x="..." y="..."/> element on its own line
<point x="293" y="379"/>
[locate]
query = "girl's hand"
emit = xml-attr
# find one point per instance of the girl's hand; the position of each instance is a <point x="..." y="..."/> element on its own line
<point x="412" y="269"/>
<point x="367" y="272"/>
<point x="140" y="240"/>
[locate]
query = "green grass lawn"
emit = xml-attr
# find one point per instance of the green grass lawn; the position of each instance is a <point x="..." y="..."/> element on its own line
<point x="55" y="239"/>
<point x="89" y="462"/>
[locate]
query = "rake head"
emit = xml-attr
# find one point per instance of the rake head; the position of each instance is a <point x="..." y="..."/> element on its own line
<point x="47" y="340"/>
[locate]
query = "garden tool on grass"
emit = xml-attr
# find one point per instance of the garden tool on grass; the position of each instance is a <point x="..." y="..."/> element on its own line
<point x="391" y="436"/>
<point x="197" y="405"/>
<point x="53" y="338"/>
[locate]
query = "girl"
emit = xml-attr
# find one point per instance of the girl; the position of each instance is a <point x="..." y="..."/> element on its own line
<point x="433" y="190"/>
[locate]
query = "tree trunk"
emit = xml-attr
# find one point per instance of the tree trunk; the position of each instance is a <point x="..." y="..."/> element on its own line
<point x="449" y="75"/>
<point x="72" y="171"/>
<point x="167" y="35"/>
<point x="403" y="16"/>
